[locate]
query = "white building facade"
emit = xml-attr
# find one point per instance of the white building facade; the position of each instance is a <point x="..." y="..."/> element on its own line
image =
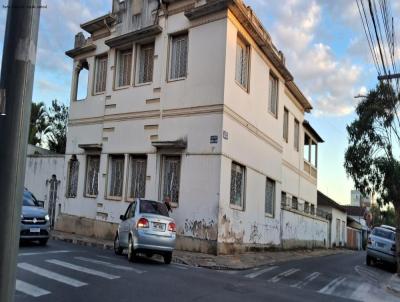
<point x="190" y="100"/>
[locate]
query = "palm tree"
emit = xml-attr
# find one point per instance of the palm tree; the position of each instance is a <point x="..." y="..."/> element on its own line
<point x="38" y="124"/>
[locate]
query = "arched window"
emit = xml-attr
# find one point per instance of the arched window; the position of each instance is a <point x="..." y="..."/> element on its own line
<point x="73" y="172"/>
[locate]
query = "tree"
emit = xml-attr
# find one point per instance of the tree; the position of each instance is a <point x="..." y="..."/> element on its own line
<point x="38" y="124"/>
<point x="372" y="157"/>
<point x="57" y="134"/>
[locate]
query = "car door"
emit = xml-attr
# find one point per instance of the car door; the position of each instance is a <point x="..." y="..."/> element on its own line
<point x="123" y="229"/>
<point x="131" y="220"/>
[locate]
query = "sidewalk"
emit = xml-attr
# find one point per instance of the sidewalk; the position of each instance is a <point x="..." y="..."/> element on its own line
<point x="393" y="285"/>
<point x="220" y="262"/>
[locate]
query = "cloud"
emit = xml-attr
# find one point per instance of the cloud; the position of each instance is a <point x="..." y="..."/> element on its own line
<point x="329" y="80"/>
<point x="50" y="86"/>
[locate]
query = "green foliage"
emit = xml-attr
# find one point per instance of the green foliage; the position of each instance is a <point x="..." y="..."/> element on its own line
<point x="58" y="120"/>
<point x="379" y="217"/>
<point x="370" y="158"/>
<point x="48" y="127"/>
<point x="38" y="124"/>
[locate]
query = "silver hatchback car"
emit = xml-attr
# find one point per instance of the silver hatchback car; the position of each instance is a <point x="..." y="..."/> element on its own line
<point x="146" y="228"/>
<point x="382" y="245"/>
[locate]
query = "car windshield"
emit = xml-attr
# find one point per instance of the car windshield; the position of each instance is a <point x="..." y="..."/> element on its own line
<point x="387" y="234"/>
<point x="153" y="207"/>
<point x="29" y="200"/>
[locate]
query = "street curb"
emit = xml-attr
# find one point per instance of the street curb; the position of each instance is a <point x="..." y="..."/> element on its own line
<point x="104" y="246"/>
<point x="392" y="287"/>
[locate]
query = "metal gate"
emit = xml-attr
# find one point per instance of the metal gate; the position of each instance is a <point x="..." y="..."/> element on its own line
<point x="53" y="182"/>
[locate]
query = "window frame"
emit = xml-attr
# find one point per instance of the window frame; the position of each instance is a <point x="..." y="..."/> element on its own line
<point x="311" y="142"/>
<point x="118" y="52"/>
<point x="129" y="175"/>
<point x="86" y="194"/>
<point x="276" y="79"/>
<point x="109" y="170"/>
<point x="285" y="125"/>
<point x="95" y="78"/>
<point x="272" y="214"/>
<point x="170" y="45"/>
<point x="164" y="157"/>
<point x="241" y="42"/>
<point x="68" y="192"/>
<point x="138" y="62"/>
<point x="296" y="133"/>
<point x="241" y="206"/>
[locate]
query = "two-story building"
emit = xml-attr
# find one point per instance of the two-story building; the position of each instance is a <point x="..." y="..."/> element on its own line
<point x="191" y="100"/>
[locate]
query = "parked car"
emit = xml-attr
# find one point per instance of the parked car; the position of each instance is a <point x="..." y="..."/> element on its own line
<point x="34" y="220"/>
<point x="382" y="245"/>
<point x="146" y="228"/>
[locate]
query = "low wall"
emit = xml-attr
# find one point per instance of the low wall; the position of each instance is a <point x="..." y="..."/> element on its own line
<point x="300" y="230"/>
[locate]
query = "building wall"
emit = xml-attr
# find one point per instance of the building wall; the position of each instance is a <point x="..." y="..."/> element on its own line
<point x="336" y="216"/>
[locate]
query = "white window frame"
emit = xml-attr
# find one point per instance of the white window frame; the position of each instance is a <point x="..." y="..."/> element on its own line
<point x="139" y="62"/>
<point x="273" y="195"/>
<point x="89" y="179"/>
<point x="165" y="158"/>
<point x="119" y="54"/>
<point x="286" y="125"/>
<point x="182" y="36"/>
<point x="109" y="176"/>
<point x="242" y="67"/>
<point x="132" y="159"/>
<point x="311" y="142"/>
<point x="100" y="78"/>
<point x="273" y="95"/>
<point x="237" y="168"/>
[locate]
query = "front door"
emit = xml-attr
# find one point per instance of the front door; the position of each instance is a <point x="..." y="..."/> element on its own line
<point x="125" y="225"/>
<point x="53" y="199"/>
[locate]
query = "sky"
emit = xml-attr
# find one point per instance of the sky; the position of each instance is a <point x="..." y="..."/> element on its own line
<point x="323" y="42"/>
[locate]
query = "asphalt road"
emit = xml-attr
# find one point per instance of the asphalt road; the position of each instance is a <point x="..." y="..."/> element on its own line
<point x="66" y="272"/>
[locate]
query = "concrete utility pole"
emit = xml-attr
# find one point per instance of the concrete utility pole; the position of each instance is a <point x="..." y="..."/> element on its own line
<point x="17" y="70"/>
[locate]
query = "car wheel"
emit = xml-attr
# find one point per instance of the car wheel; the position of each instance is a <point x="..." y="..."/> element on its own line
<point x="131" y="250"/>
<point x="43" y="242"/>
<point x="117" y="248"/>
<point x="369" y="260"/>
<point x="167" y="257"/>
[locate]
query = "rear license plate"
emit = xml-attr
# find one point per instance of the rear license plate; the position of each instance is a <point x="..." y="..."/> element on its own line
<point x="380" y="245"/>
<point x="34" y="230"/>
<point x="159" y="226"/>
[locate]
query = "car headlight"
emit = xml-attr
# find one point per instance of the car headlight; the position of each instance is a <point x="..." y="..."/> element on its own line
<point x="47" y="217"/>
<point x="22" y="216"/>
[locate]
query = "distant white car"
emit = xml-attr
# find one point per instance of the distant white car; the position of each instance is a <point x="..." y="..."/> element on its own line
<point x="146" y="228"/>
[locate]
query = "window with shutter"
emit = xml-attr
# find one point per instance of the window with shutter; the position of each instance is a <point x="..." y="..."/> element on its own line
<point x="116" y="175"/>
<point x="269" y="197"/>
<point x="178" y="57"/>
<point x="124" y="64"/>
<point x="237" y="185"/>
<point x="137" y="177"/>
<point x="171" y="177"/>
<point x="286" y="125"/>
<point x="242" y="63"/>
<point x="92" y="175"/>
<point x="146" y="62"/>
<point x="296" y="135"/>
<point x="73" y="173"/>
<point x="101" y="74"/>
<point x="273" y="95"/>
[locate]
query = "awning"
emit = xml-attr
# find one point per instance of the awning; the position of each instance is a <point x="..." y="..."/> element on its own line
<point x="177" y="144"/>
<point x="91" y="147"/>
<point x="132" y="36"/>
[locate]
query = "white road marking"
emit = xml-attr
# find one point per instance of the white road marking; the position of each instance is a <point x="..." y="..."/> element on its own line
<point x="331" y="286"/>
<point x="42" y="253"/>
<point x="51" y="275"/>
<point x="260" y="272"/>
<point x="307" y="280"/>
<point x="108" y="264"/>
<point x="30" y="289"/>
<point x="180" y="266"/>
<point x="284" y="274"/>
<point x="105" y="257"/>
<point x="364" y="272"/>
<point x="82" y="269"/>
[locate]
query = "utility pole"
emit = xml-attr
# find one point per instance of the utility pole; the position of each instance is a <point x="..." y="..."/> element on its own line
<point x="16" y="85"/>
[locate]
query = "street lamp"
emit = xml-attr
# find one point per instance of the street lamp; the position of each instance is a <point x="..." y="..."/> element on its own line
<point x="2" y="102"/>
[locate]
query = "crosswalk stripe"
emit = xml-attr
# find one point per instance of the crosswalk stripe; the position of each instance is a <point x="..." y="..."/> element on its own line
<point x="82" y="269"/>
<point x="108" y="264"/>
<point x="180" y="266"/>
<point x="307" y="280"/>
<point x="284" y="274"/>
<point x="331" y="286"/>
<point x="30" y="289"/>
<point x="260" y="272"/>
<point x="42" y="253"/>
<point x="51" y="275"/>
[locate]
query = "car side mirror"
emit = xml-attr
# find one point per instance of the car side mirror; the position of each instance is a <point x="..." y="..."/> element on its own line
<point x="40" y="203"/>
<point x="122" y="217"/>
